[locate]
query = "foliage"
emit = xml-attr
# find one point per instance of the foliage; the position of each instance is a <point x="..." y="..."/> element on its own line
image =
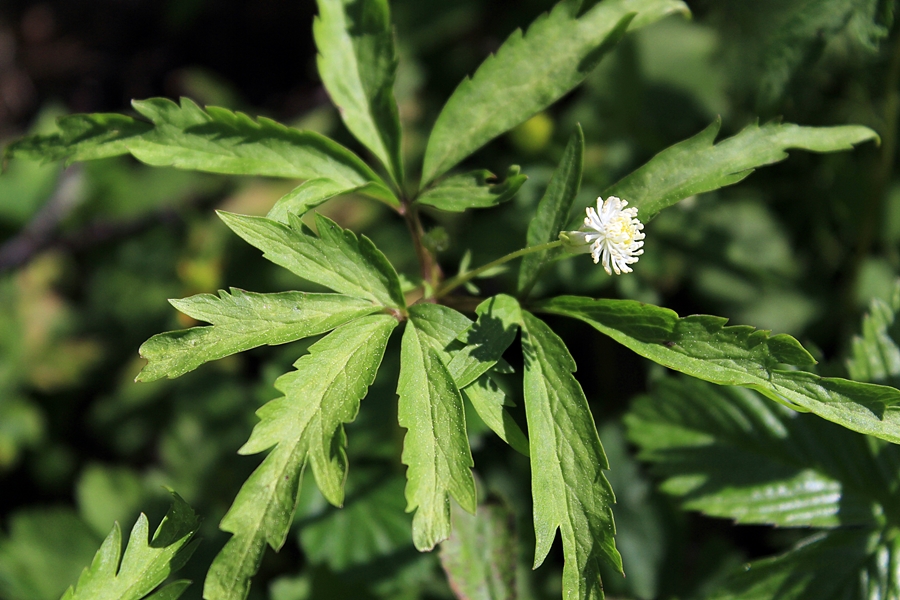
<point x="451" y="381"/>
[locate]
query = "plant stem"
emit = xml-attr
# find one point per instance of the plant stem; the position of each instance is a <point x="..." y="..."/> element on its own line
<point x="431" y="271"/>
<point x="455" y="282"/>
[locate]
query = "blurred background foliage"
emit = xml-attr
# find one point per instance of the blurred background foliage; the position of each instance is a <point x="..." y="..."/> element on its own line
<point x="90" y="253"/>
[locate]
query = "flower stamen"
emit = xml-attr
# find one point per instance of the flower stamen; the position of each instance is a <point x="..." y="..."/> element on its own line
<point x="611" y="233"/>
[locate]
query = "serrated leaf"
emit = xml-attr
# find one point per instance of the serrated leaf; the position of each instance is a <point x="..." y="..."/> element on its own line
<point x="243" y="320"/>
<point x="529" y="72"/>
<point x="839" y="565"/>
<point x="336" y="258"/>
<point x="696" y="165"/>
<point x="703" y="347"/>
<point x="475" y="189"/>
<point x="371" y="524"/>
<point x="305" y="425"/>
<point x="489" y="401"/>
<point x="570" y="491"/>
<point x="436" y="447"/>
<point x="485" y="341"/>
<point x="480" y="558"/>
<point x="81" y="137"/>
<point x="306" y="196"/>
<point x="875" y="355"/>
<point x="553" y="210"/>
<point x="730" y="453"/>
<point x="358" y="65"/>
<point x="147" y="562"/>
<point x="214" y="140"/>
<point x="314" y="192"/>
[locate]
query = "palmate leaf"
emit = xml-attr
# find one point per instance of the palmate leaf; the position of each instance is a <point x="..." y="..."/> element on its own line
<point x="695" y="165"/>
<point x="215" y="140"/>
<point x="553" y="210"/>
<point x="531" y="71"/>
<point x="146" y="563"/>
<point x="875" y="354"/>
<point x="570" y="491"/>
<point x="728" y="452"/>
<point x="335" y="258"/>
<point x="358" y="64"/>
<point x="243" y="320"/>
<point x="306" y="425"/>
<point x="436" y="448"/>
<point x="854" y="564"/>
<point x="703" y="347"/>
<point x="476" y="189"/>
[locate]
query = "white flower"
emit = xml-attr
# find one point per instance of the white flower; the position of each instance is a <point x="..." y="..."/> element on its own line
<point x="611" y="233"/>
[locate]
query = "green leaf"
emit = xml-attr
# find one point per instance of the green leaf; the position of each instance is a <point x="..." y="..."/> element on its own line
<point x="336" y="258"/>
<point x="530" y="72"/>
<point x="42" y="550"/>
<point x="730" y="453"/>
<point x="475" y="189"/>
<point x="81" y="137"/>
<point x="553" y="210"/>
<point x="305" y="197"/>
<point x="243" y="320"/>
<point x="570" y="491"/>
<point x="215" y="140"/>
<point x="371" y="524"/>
<point x="801" y="38"/>
<point x="480" y="557"/>
<point x="695" y="165"/>
<point x="840" y="565"/>
<point x="875" y="354"/>
<point x="489" y="401"/>
<point x="485" y="341"/>
<point x="314" y="192"/>
<point x="358" y="65"/>
<point x="436" y="448"/>
<point x="305" y="425"/>
<point x="146" y="563"/>
<point x="703" y="347"/>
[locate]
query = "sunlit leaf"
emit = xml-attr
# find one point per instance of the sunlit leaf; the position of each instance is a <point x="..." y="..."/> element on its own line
<point x="146" y="563"/>
<point x="335" y="258"/>
<point x="305" y="425"/>
<point x="530" y="71"/>
<point x="696" y="165"/>
<point x="436" y="448"/>
<point x="570" y="491"/>
<point x="702" y="346"/>
<point x="358" y="64"/>
<point x="483" y="342"/>
<point x="476" y="189"/>
<point x="215" y="140"/>
<point x="553" y="210"/>
<point x="243" y="320"/>
<point x="489" y="401"/>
